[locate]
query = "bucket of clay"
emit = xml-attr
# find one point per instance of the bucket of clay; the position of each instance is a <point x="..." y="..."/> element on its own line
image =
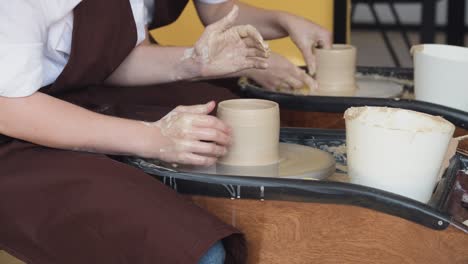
<point x="441" y="75"/>
<point x="396" y="150"/>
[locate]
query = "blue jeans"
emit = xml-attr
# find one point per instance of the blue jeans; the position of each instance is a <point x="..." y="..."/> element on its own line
<point x="214" y="255"/>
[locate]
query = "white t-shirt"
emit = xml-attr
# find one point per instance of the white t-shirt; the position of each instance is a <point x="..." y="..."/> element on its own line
<point x="36" y="37"/>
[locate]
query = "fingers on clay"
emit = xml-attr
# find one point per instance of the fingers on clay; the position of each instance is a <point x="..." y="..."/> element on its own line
<point x="326" y="41"/>
<point x="211" y="122"/>
<point x="294" y="83"/>
<point x="310" y="82"/>
<point x="310" y="60"/>
<point x="194" y="159"/>
<point x="207" y="149"/>
<point x="212" y="135"/>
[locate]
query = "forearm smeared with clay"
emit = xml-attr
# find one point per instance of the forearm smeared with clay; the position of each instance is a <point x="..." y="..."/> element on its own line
<point x="51" y="122"/>
<point x="153" y="64"/>
<point x="222" y="49"/>
<point x="190" y="136"/>
<point x="274" y="24"/>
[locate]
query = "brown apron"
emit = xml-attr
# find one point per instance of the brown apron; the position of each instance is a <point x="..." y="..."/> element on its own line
<point x="61" y="206"/>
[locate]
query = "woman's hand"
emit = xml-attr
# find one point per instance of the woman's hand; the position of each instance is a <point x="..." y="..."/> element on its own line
<point x="282" y="74"/>
<point x="224" y="48"/>
<point x="306" y="35"/>
<point x="188" y="135"/>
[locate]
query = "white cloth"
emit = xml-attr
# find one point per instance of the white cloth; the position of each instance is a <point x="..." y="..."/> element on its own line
<point x="35" y="42"/>
<point x="36" y="37"/>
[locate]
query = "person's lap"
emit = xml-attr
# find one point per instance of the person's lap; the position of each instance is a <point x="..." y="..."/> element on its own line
<point x="70" y="207"/>
<point x="57" y="204"/>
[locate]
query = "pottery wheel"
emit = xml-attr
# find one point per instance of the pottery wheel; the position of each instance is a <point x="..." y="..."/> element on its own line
<point x="368" y="86"/>
<point x="296" y="161"/>
<point x="377" y="88"/>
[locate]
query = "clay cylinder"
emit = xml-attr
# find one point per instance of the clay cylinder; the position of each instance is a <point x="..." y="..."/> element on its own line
<point x="336" y="69"/>
<point x="255" y="130"/>
<point x="396" y="150"/>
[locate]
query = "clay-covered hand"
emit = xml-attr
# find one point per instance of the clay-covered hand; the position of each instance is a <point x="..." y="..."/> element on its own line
<point x="284" y="75"/>
<point x="224" y="48"/>
<point x="188" y="135"/>
<point x="306" y="35"/>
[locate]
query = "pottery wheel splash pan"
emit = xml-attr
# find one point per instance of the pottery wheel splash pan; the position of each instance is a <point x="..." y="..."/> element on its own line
<point x="370" y="83"/>
<point x="296" y="162"/>
<point x="436" y="215"/>
<point x="377" y="88"/>
<point x="338" y="104"/>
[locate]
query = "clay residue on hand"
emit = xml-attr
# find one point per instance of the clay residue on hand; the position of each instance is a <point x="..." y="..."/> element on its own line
<point x="188" y="54"/>
<point x="173" y="125"/>
<point x="224" y="48"/>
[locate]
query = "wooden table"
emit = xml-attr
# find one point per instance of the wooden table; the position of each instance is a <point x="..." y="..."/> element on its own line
<point x="301" y="233"/>
<point x="279" y="232"/>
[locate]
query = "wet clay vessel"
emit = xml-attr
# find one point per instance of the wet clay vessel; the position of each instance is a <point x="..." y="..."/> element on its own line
<point x="255" y="149"/>
<point x="336" y="69"/>
<point x="255" y="126"/>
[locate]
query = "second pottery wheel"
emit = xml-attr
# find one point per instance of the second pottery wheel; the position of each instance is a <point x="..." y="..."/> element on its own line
<point x="371" y="87"/>
<point x="366" y="87"/>
<point x="296" y="161"/>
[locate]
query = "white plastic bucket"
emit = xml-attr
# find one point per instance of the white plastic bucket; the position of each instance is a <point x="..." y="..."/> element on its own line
<point x="396" y="150"/>
<point x="441" y="75"/>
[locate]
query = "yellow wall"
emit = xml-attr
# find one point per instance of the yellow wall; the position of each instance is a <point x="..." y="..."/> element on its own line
<point x="186" y="30"/>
